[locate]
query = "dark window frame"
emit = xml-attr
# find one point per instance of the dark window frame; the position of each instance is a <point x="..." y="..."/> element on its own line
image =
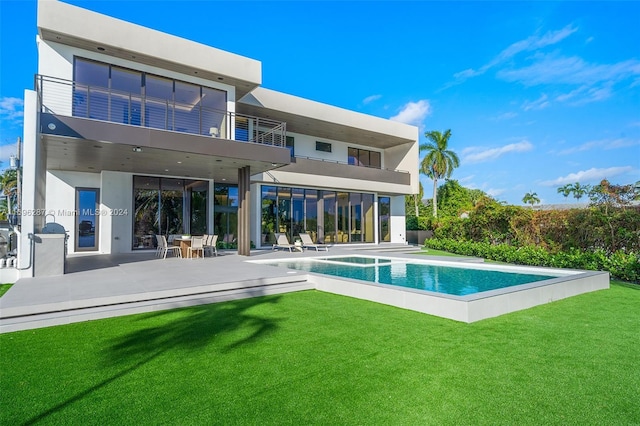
<point x="323" y="146"/>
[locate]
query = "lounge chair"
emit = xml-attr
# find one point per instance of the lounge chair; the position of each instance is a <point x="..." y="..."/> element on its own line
<point x="283" y="243"/>
<point x="307" y="243"/>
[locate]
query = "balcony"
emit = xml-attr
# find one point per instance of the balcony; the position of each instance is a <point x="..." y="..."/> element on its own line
<point x="340" y="169"/>
<point x="68" y="98"/>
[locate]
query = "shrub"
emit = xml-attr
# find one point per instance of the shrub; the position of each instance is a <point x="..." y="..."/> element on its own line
<point x="625" y="266"/>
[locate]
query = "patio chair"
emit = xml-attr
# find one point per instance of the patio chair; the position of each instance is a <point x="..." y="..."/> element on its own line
<point x="164" y="248"/>
<point x="197" y="246"/>
<point x="210" y="243"/>
<point x="283" y="242"/>
<point x="307" y="242"/>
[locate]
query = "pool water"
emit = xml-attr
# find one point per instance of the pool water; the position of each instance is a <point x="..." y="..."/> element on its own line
<point x="454" y="280"/>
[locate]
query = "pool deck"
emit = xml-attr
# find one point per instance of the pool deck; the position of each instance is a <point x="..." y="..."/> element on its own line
<point x="100" y="286"/>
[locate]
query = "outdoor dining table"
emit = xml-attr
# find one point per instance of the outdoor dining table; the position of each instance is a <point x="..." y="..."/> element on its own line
<point x="185" y="243"/>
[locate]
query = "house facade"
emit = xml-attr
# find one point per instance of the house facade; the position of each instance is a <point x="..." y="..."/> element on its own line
<point x="131" y="133"/>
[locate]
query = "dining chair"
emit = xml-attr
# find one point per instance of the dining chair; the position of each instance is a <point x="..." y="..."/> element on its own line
<point x="196" y="246"/>
<point x="167" y="248"/>
<point x="210" y="244"/>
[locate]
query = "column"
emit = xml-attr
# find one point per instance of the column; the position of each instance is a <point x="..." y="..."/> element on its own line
<point x="244" y="211"/>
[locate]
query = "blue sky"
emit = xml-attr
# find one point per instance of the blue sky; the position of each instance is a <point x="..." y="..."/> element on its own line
<point x="536" y="94"/>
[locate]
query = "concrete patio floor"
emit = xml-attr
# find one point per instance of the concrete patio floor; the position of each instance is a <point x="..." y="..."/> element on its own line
<point x="100" y="286"/>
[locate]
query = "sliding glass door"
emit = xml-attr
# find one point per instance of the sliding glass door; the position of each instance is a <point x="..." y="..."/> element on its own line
<point x="161" y="206"/>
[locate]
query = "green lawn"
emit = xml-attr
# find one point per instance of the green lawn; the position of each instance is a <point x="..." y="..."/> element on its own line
<point x="317" y="358"/>
<point x="4" y="288"/>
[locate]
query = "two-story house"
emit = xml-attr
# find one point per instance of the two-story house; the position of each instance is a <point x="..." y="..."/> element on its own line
<point x="131" y="133"/>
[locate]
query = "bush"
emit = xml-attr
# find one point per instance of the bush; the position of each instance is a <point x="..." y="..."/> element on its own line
<point x="625" y="266"/>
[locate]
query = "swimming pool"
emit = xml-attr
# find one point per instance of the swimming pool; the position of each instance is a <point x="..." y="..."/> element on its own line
<point x="458" y="280"/>
<point x="455" y="289"/>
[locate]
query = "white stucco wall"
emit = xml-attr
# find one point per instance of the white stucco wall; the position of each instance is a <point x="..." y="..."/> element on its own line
<point x="116" y="222"/>
<point x="33" y="183"/>
<point x="397" y="221"/>
<point x="61" y="199"/>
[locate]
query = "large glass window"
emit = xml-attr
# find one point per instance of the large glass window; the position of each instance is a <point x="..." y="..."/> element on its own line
<point x="269" y="214"/>
<point x="355" y="222"/>
<point x="363" y="157"/>
<point x="90" y="92"/>
<point x="297" y="212"/>
<point x="226" y="214"/>
<point x="161" y="206"/>
<point x="311" y="213"/>
<point x="384" y="214"/>
<point x="327" y="216"/>
<point x="328" y="224"/>
<point x="126" y="99"/>
<point x="343" y="218"/>
<point x="112" y="93"/>
<point x="158" y="102"/>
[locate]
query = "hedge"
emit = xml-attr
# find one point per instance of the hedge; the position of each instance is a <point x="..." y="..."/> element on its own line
<point x="622" y="265"/>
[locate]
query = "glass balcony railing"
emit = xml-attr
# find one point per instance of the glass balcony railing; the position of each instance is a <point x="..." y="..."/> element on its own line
<point x="69" y="98"/>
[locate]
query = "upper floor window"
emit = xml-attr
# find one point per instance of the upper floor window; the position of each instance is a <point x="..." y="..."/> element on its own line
<point x="363" y="157"/>
<point x="291" y="145"/>
<point x="323" y="146"/>
<point x="117" y="94"/>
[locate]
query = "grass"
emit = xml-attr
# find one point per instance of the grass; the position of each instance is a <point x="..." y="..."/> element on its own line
<point x="4" y="288"/>
<point x="317" y="358"/>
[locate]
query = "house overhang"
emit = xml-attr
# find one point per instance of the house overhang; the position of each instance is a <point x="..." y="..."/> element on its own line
<point x="77" y="27"/>
<point x="85" y="145"/>
<point x="325" y="121"/>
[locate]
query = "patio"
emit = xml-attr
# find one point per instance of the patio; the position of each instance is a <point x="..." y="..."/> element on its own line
<point x="102" y="286"/>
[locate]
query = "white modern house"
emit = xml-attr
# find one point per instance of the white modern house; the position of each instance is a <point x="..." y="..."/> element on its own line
<point x="131" y="133"/>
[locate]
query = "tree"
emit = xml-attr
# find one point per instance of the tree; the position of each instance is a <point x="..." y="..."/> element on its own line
<point x="579" y="190"/>
<point x="9" y="186"/>
<point x="565" y="190"/>
<point x="531" y="198"/>
<point x="608" y="196"/>
<point x="439" y="161"/>
<point x="417" y="198"/>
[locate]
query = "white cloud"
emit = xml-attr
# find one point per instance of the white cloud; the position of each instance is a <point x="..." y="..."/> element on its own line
<point x="413" y="113"/>
<point x="495" y="192"/>
<point x="11" y="109"/>
<point x="605" y="144"/>
<point x="591" y="175"/>
<point x="531" y="43"/>
<point x="555" y="69"/>
<point x="506" y="116"/>
<point x="371" y="98"/>
<point x="478" y="155"/>
<point x="541" y="103"/>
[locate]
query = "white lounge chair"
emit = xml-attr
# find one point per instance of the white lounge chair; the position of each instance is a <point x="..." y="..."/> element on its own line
<point x="307" y="243"/>
<point x="283" y="242"/>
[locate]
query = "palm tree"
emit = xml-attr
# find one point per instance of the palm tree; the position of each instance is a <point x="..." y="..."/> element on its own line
<point x="565" y="190"/>
<point x="417" y="198"/>
<point x="579" y="190"/>
<point x="439" y="161"/>
<point x="8" y="186"/>
<point x="531" y="198"/>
